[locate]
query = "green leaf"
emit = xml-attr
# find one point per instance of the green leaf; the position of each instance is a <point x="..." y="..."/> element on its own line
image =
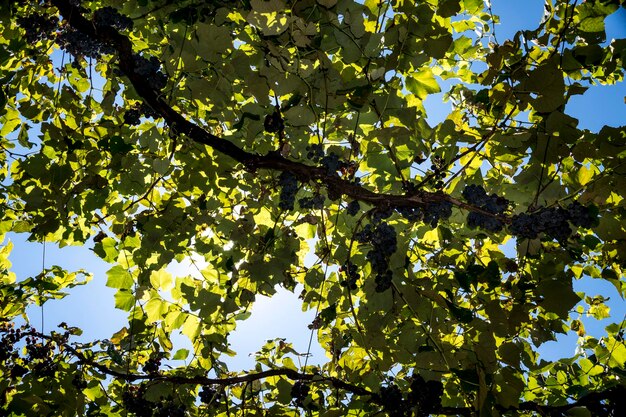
<point x="161" y="280"/>
<point x="124" y="300"/>
<point x="558" y="296"/>
<point x="155" y="309"/>
<point x="422" y="84"/>
<point x="181" y="354"/>
<point x="119" y="277"/>
<point x="449" y="8"/>
<point x="161" y="166"/>
<point x="327" y="3"/>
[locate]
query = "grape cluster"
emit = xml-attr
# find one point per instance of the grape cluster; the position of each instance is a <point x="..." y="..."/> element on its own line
<point x="425" y="396"/>
<point x="134" y="401"/>
<point x="332" y="163"/>
<point x="435" y="211"/>
<point x="582" y="216"/>
<point x="288" y="188"/>
<point x="554" y="222"/>
<point x="80" y="45"/>
<point x="79" y="381"/>
<point x="480" y="220"/>
<point x="10" y="336"/>
<point x="38" y="27"/>
<point x="315" y="152"/>
<point x="551" y="221"/>
<point x="133" y="115"/>
<point x="351" y="275"/>
<point x="353" y="208"/>
<point x="390" y="397"/>
<point x="169" y="408"/>
<point x="209" y="396"/>
<point x="384" y="243"/>
<point x="150" y="70"/>
<point x="109" y="16"/>
<point x="40" y="357"/>
<point x="383" y="281"/>
<point x="381" y="214"/>
<point x="315" y="202"/>
<point x="477" y="196"/>
<point x="274" y="122"/>
<point x="438" y="169"/>
<point x="431" y="213"/>
<point x="299" y="391"/>
<point x="494" y="204"/>
<point x="152" y="365"/>
<point x="412" y="214"/>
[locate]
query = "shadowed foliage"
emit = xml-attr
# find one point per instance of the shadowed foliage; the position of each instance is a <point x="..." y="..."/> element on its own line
<point x="285" y="144"/>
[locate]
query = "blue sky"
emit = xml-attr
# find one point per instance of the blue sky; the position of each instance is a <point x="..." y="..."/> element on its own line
<point x="91" y="307"/>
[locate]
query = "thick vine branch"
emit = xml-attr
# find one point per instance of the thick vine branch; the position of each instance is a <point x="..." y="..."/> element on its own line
<point x="251" y="161"/>
<point x="592" y="400"/>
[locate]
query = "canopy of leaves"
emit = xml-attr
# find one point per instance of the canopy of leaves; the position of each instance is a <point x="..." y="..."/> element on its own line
<point x="285" y="145"/>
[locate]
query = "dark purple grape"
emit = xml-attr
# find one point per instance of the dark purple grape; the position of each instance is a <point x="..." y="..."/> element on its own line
<point x="289" y="186"/>
<point x="109" y="16"/>
<point x="353" y="208"/>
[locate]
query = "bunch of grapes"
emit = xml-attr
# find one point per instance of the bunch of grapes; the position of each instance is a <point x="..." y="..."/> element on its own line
<point x="351" y="275"/>
<point x="412" y="214"/>
<point x="40" y="356"/>
<point x="438" y="168"/>
<point x="390" y="397"/>
<point x="475" y="195"/>
<point x="169" y="408"/>
<point x="150" y="70"/>
<point x="425" y="396"/>
<point x="134" y="401"/>
<point x="152" y="365"/>
<point x="353" y="208"/>
<point x="581" y="216"/>
<point x="209" y="396"/>
<point x="332" y="163"/>
<point x="315" y="152"/>
<point x="315" y="202"/>
<point x="384" y="244"/>
<point x="554" y="222"/>
<point x="38" y="27"/>
<point x="148" y="111"/>
<point x="494" y="204"/>
<point x="299" y="391"/>
<point x="288" y="188"/>
<point x="383" y="281"/>
<point x="80" y="45"/>
<point x="109" y="16"/>
<point x="384" y="239"/>
<point x="433" y="212"/>
<point x="79" y="381"/>
<point x="10" y="336"/>
<point x="381" y="214"/>
<point x="133" y="115"/>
